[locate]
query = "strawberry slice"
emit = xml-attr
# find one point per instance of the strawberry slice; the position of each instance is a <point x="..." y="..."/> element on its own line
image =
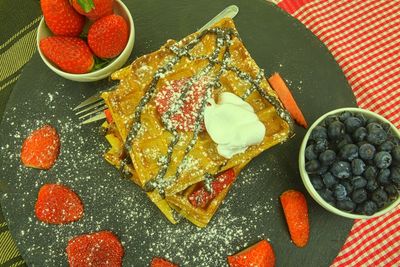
<point x="168" y="96"/>
<point x="109" y="118"/>
<point x="200" y="198"/>
<point x="160" y="262"/>
<point x="296" y="213"/>
<point x="41" y="148"/>
<point x="260" y="254"/>
<point x="57" y="204"/>
<point x="96" y="249"/>
<point x="284" y="94"/>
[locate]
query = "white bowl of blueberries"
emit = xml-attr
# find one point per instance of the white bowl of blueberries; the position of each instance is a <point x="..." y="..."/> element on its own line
<point x="350" y="163"/>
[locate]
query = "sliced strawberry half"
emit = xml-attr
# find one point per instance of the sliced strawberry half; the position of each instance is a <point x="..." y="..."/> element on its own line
<point x="160" y="262"/>
<point x="260" y="254"/>
<point x="296" y="213"/>
<point x="200" y="198"/>
<point x="96" y="249"/>
<point x="41" y="148"/>
<point x="57" y="204"/>
<point x="184" y="118"/>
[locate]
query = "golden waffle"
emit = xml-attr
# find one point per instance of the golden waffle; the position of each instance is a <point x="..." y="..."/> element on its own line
<point x="142" y="139"/>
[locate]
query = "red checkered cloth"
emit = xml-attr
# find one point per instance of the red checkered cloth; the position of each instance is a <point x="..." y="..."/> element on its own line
<point x="364" y="38"/>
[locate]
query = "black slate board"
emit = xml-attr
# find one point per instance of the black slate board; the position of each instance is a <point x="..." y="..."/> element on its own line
<point x="251" y="211"/>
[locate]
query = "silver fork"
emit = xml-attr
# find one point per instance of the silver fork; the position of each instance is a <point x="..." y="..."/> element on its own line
<point x="92" y="109"/>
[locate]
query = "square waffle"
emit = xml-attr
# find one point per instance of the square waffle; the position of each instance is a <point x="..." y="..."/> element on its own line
<point x="170" y="161"/>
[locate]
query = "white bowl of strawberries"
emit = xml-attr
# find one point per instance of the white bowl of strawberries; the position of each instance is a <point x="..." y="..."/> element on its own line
<point x="85" y="40"/>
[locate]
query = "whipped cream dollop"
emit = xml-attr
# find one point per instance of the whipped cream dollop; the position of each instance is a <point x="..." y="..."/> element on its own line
<point x="232" y="124"/>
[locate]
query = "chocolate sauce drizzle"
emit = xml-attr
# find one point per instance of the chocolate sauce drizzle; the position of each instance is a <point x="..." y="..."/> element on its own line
<point x="223" y="40"/>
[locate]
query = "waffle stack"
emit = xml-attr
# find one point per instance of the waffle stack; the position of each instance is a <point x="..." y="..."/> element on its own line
<point x="169" y="162"/>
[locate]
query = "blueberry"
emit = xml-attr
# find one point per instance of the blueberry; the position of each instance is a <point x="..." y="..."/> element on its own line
<point x="336" y="130"/>
<point x="372" y="184"/>
<point x="396" y="154"/>
<point x="386" y="126"/>
<point x="348" y="185"/>
<point x="391" y="190"/>
<point x="359" y="134"/>
<point x="319" y="132"/>
<point x="394" y="139"/>
<point x="358" y="182"/>
<point x="383" y="159"/>
<point x="367" y="151"/>
<point x="376" y="136"/>
<point x="331" y="119"/>
<point x="371" y="172"/>
<point x="341" y="143"/>
<point x="320" y="145"/>
<point x="383" y="176"/>
<point x="341" y="169"/>
<point x="386" y="146"/>
<point x="346" y="205"/>
<point x="372" y="124"/>
<point x="328" y="179"/>
<point x="357" y="166"/>
<point x="309" y="153"/>
<point x="312" y="166"/>
<point x="395" y="175"/>
<point x="371" y="120"/>
<point x="352" y="123"/>
<point x="369" y="207"/>
<point x="327" y="195"/>
<point x="348" y="152"/>
<point x="322" y="169"/>
<point x="361" y="118"/>
<point x="327" y="157"/>
<point x="339" y="192"/>
<point x="317" y="182"/>
<point x="379" y="196"/>
<point x="345" y="115"/>
<point x="359" y="195"/>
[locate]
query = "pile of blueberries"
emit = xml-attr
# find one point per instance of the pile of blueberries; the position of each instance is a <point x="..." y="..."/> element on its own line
<point x="354" y="162"/>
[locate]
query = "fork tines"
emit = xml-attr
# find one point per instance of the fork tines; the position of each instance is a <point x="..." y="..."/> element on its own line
<point x="91" y="109"/>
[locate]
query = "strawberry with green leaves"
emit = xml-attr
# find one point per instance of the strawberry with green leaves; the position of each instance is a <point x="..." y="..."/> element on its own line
<point x="61" y="17"/>
<point x="70" y="54"/>
<point x="108" y="36"/>
<point x="93" y="9"/>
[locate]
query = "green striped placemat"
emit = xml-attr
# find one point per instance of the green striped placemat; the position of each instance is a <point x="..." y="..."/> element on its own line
<point x="19" y="20"/>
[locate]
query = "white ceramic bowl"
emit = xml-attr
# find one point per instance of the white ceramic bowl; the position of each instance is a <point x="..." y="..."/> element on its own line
<point x="306" y="178"/>
<point x="117" y="63"/>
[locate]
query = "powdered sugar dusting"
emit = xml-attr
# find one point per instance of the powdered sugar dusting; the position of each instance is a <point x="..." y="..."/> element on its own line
<point x="110" y="202"/>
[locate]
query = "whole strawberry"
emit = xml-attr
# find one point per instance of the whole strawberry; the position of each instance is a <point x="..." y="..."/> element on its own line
<point x="61" y="17"/>
<point x="93" y="9"/>
<point x="70" y="54"/>
<point x="107" y="37"/>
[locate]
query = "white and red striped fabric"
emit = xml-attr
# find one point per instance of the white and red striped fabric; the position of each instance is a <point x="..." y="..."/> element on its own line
<point x="364" y="38"/>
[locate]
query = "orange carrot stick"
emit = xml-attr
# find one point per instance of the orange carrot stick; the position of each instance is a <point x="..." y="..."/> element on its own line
<point x="278" y="84"/>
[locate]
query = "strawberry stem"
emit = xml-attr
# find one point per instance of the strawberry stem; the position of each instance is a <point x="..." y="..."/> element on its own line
<point x="86" y="5"/>
<point x="100" y="63"/>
